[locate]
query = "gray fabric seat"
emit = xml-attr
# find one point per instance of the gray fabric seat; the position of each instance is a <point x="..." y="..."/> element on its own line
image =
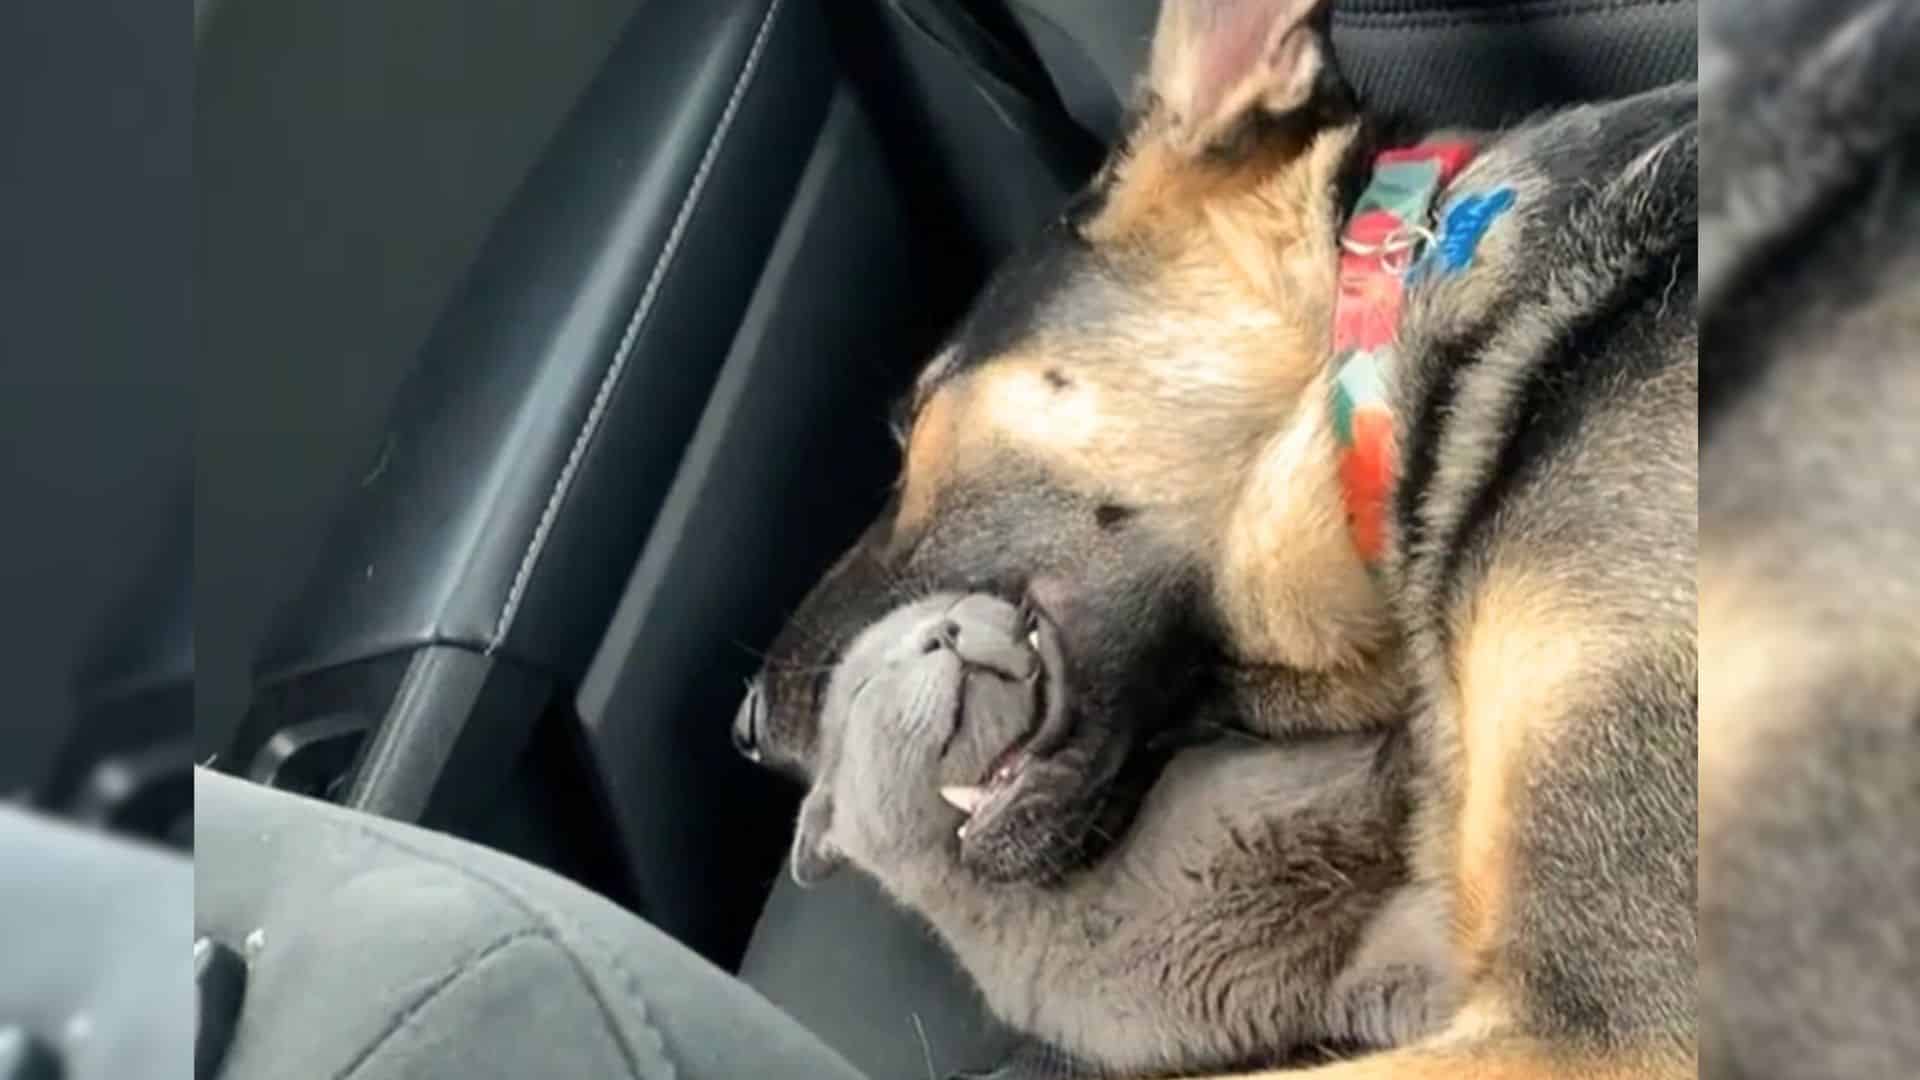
<point x="95" y="968"/>
<point x="376" y="949"/>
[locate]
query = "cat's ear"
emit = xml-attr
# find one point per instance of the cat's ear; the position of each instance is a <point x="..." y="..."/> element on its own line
<point x="815" y="858"/>
<point x="1218" y="66"/>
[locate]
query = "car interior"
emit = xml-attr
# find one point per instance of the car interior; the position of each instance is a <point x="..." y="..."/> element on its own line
<point x="546" y="352"/>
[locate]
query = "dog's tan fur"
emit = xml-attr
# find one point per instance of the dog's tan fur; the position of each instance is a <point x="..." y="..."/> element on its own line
<point x="1514" y="624"/>
<point x="1240" y="252"/>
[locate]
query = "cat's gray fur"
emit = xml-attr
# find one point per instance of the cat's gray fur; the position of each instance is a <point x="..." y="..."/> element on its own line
<point x="1251" y="911"/>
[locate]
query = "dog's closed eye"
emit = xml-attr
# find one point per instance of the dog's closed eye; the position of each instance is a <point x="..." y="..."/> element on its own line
<point x="1111" y="516"/>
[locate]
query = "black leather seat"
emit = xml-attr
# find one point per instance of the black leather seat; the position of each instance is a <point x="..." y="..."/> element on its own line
<point x="664" y="245"/>
<point x="504" y="501"/>
<point x="1461" y="62"/>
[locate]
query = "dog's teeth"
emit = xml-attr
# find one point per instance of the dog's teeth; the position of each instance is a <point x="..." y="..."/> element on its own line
<point x="964" y="799"/>
<point x="961" y="832"/>
<point x="1033" y="639"/>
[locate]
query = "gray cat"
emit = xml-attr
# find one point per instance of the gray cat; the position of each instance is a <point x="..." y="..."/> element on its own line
<point x="1254" y="909"/>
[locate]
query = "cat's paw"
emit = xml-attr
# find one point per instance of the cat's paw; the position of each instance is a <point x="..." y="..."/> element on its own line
<point x="1391" y="1006"/>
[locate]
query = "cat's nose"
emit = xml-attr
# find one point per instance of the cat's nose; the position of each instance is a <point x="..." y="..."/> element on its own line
<point x="984" y="632"/>
<point x="750" y="722"/>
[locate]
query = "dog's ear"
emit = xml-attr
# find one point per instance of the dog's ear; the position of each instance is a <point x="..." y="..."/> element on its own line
<point x="815" y="858"/>
<point x="1221" y="66"/>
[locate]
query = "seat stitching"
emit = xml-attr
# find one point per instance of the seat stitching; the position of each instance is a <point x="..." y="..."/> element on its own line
<point x="551" y="928"/>
<point x="430" y="994"/>
<point x="642" y="309"/>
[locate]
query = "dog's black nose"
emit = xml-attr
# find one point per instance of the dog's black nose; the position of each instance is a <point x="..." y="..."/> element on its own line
<point x="749" y="722"/>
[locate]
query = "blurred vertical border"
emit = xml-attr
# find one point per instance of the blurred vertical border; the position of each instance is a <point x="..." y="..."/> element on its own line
<point x="96" y="466"/>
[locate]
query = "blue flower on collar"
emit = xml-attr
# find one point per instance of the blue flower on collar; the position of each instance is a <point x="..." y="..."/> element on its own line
<point x="1467" y="220"/>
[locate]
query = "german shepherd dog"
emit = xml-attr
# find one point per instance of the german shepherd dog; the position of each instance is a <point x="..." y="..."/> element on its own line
<point x="1139" y="436"/>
